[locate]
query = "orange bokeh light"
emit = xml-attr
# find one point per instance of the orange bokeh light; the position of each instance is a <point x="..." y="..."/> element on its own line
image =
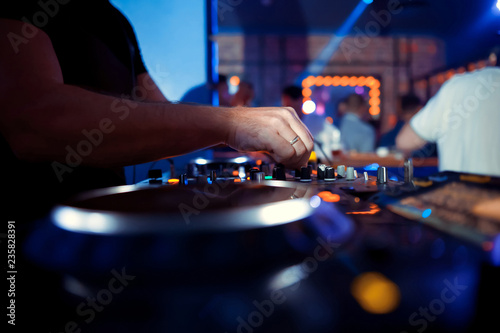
<point x="374" y="93"/>
<point x="328" y="196"/>
<point x="235" y="80"/>
<point x="328" y="81"/>
<point x="344" y="81"/>
<point x="372" y="83"/>
<point x="374" y="101"/>
<point x="374" y="110"/>
<point x="173" y="181"/>
<point x="306" y="92"/>
<point x="319" y="81"/>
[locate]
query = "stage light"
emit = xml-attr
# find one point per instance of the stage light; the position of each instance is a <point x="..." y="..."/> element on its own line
<point x="498" y="4"/>
<point x="318" y="65"/>
<point x="309" y="107"/>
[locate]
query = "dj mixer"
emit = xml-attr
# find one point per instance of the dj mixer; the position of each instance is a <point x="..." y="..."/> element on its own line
<point x="244" y="246"/>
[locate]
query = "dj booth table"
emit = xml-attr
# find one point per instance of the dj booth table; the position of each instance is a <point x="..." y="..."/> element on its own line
<point x="230" y="254"/>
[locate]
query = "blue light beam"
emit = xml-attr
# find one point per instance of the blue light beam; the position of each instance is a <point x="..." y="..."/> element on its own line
<point x="317" y="66"/>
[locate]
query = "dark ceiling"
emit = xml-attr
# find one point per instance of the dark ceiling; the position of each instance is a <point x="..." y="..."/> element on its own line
<point x="470" y="28"/>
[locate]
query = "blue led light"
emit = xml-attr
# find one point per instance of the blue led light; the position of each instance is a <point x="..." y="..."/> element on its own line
<point x="370" y="1"/>
<point x="372" y="167"/>
<point x="426" y="213"/>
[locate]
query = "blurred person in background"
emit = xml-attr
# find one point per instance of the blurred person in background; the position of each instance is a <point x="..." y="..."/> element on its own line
<point x="355" y="133"/>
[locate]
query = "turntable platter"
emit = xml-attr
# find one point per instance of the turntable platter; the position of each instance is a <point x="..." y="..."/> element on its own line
<point x="221" y="206"/>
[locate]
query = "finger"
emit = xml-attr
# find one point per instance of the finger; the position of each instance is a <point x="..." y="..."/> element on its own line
<point x="298" y="127"/>
<point x="282" y="151"/>
<point x="301" y="150"/>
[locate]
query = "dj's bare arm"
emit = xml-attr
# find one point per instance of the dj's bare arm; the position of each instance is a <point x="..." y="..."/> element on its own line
<point x="41" y="116"/>
<point x="408" y="140"/>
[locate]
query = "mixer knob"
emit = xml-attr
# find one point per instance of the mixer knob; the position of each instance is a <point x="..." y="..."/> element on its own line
<point x="253" y="171"/>
<point x="382" y="175"/>
<point x="297" y="173"/>
<point x="408" y="165"/>
<point x="258" y="176"/>
<point x="365" y="175"/>
<point x="213" y="176"/>
<point x="330" y="174"/>
<point x="265" y="168"/>
<point x="305" y="174"/>
<point x="321" y="171"/>
<point x="350" y="174"/>
<point x="183" y="179"/>
<point x="279" y="173"/>
<point x="341" y="171"/>
<point x="155" y="176"/>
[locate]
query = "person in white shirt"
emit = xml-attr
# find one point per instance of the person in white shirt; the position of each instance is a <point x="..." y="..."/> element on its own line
<point x="463" y="119"/>
<point x="356" y="134"/>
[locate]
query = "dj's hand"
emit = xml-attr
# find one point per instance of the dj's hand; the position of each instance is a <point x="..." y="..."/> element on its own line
<point x="272" y="130"/>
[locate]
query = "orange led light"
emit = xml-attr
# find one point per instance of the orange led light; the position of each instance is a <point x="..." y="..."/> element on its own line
<point x="328" y="196"/>
<point x="353" y="81"/>
<point x="328" y="81"/>
<point x="306" y="92"/>
<point x="235" y="173"/>
<point x="258" y="162"/>
<point x="374" y="110"/>
<point x="237" y="180"/>
<point x="375" y="84"/>
<point x="372" y="83"/>
<point x="374" y="93"/>
<point x="319" y="81"/>
<point x="344" y="81"/>
<point x="374" y="101"/>
<point x="173" y="181"/>
<point x="234" y="80"/>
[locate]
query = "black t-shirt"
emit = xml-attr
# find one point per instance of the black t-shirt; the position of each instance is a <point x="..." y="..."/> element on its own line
<point x="97" y="50"/>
